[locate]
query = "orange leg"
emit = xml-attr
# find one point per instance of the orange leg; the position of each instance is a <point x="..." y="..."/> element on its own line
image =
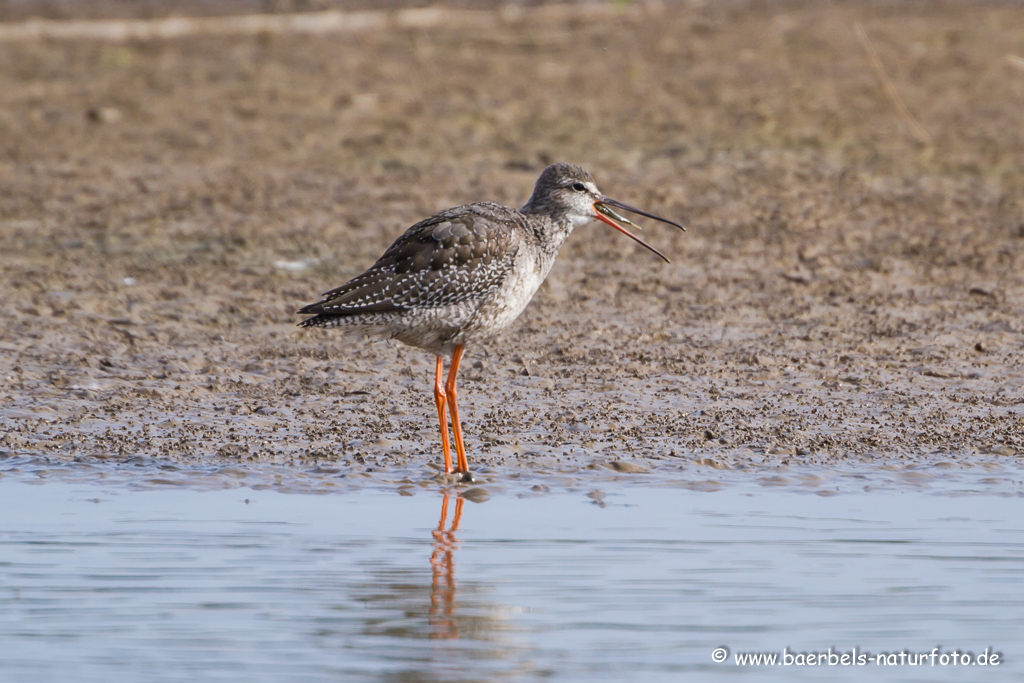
<point x="453" y="405"/>
<point x="441" y="398"/>
<point x="439" y="534"/>
<point x="442" y="562"/>
<point x="458" y="514"/>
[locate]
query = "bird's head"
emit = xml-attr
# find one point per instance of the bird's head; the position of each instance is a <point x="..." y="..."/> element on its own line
<point x="567" y="191"/>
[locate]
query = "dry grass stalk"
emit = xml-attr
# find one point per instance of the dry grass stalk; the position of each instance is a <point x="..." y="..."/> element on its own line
<point x="916" y="129"/>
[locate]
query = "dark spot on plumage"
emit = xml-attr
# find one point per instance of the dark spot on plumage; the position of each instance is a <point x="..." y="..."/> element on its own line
<point x="420" y="260"/>
<point x="441" y="258"/>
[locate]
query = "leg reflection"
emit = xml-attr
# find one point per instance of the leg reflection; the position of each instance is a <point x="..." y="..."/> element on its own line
<point x="442" y="561"/>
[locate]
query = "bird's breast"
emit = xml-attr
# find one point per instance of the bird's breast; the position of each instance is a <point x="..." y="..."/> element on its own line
<point x="524" y="278"/>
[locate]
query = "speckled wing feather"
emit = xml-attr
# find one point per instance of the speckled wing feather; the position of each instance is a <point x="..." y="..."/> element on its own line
<point x="459" y="255"/>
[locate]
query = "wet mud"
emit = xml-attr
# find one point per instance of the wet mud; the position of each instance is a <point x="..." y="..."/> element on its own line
<point x="848" y="299"/>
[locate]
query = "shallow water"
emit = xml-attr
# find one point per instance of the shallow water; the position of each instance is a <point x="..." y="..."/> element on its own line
<point x="100" y="583"/>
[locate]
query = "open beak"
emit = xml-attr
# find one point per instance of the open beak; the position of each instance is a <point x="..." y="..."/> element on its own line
<point x="608" y="215"/>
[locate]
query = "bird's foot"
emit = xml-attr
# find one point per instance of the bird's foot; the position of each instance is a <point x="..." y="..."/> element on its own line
<point x="456" y="477"/>
<point x="460" y="477"/>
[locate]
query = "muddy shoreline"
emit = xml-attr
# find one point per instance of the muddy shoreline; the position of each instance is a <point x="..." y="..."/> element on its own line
<point x="843" y="294"/>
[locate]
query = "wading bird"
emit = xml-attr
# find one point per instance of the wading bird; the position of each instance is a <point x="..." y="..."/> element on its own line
<point x="464" y="275"/>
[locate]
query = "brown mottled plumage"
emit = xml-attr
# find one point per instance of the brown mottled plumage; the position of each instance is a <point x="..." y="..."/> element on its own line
<point x="465" y="274"/>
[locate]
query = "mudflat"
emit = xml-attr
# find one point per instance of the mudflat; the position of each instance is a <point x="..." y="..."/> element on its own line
<point x="849" y="291"/>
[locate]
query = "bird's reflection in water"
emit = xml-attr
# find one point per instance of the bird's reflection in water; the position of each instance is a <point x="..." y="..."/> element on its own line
<point x="443" y="589"/>
<point x="427" y="627"/>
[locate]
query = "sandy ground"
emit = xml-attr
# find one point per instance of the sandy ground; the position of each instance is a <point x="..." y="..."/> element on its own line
<point x="846" y="295"/>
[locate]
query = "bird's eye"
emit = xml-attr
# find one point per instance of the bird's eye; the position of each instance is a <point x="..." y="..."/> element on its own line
<point x="579" y="187"/>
